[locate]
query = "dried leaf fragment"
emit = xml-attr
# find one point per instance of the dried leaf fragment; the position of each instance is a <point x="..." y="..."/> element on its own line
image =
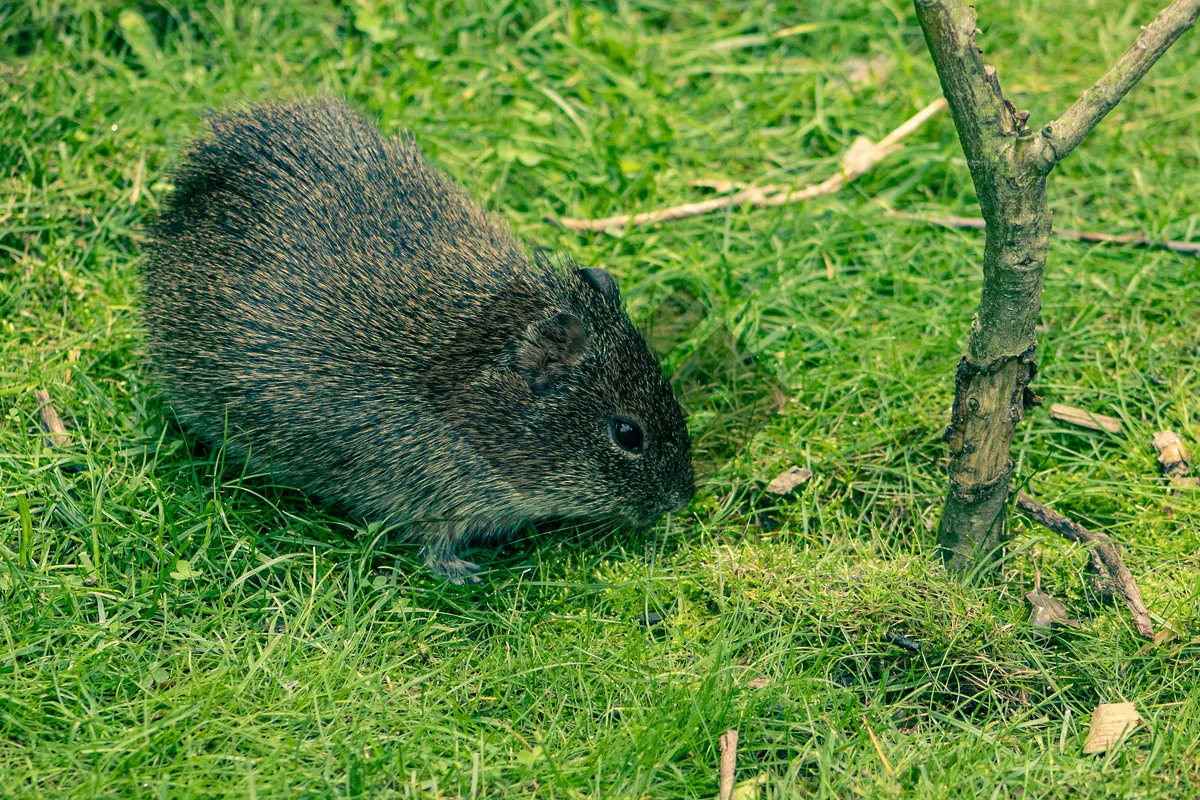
<point x="786" y="481"/>
<point x="860" y="71"/>
<point x="1165" y="636"/>
<point x="759" y="682"/>
<point x="1110" y="722"/>
<point x="1162" y="637"/>
<point x="1085" y="419"/>
<point x="51" y="424"/>
<point x="749" y="788"/>
<point x="1173" y="458"/>
<point x="1047" y="611"/>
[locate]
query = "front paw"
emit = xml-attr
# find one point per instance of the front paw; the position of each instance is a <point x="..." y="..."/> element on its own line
<point x="454" y="569"/>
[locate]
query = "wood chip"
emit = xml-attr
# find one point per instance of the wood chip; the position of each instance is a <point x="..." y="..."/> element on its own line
<point x="1173" y="458"/>
<point x="51" y="424"/>
<point x="786" y="481"/>
<point x="1085" y="419"/>
<point x="728" y="744"/>
<point x="759" y="682"/>
<point x="1047" y="612"/>
<point x="1179" y="484"/>
<point x="1110" y="722"/>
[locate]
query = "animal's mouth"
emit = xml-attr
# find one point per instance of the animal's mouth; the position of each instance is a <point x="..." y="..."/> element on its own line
<point x="680" y="500"/>
<point x="635" y="518"/>
<point x="648" y="518"/>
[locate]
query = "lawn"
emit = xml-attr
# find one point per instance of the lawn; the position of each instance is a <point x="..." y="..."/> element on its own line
<point x="171" y="626"/>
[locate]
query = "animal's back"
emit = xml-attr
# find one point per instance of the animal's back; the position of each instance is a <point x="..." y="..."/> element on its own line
<point x="305" y="268"/>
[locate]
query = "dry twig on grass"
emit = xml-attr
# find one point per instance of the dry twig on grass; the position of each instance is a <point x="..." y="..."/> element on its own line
<point x="56" y="432"/>
<point x="1116" y="577"/>
<point x="1085" y="419"/>
<point x="861" y="156"/>
<point x="979" y="224"/>
<point x="728" y="744"/>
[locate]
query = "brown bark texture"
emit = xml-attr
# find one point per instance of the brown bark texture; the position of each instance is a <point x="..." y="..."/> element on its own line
<point x="1009" y="163"/>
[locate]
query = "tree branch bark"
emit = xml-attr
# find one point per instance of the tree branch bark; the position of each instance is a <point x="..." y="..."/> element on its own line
<point x="992" y="378"/>
<point x="1057" y="139"/>
<point x="986" y="122"/>
<point x="1008" y="165"/>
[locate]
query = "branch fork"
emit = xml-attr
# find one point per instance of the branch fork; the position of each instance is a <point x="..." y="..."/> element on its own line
<point x="1009" y="165"/>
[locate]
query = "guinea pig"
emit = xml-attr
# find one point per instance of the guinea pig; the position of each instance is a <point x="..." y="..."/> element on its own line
<point x="336" y="312"/>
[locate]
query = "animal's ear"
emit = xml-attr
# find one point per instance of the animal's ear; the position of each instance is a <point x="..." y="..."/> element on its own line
<point x="602" y="281"/>
<point x="548" y="347"/>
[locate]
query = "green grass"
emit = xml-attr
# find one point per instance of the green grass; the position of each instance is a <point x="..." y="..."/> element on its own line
<point x="296" y="655"/>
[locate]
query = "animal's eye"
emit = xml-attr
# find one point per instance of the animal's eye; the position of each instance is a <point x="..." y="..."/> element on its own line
<point x="627" y="434"/>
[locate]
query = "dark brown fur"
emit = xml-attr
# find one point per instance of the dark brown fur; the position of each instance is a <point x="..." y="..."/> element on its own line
<point x="332" y="309"/>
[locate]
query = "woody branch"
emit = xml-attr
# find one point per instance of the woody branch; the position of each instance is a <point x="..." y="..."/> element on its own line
<point x="1008" y="164"/>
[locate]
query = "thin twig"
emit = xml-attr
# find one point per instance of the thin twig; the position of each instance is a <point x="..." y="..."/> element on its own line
<point x="857" y="160"/>
<point x="756" y="39"/>
<point x="51" y="424"/>
<point x="979" y="224"/>
<point x="1137" y="239"/>
<point x="1103" y="554"/>
<point x="1063" y="135"/>
<point x="722" y="186"/>
<point x="728" y="743"/>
